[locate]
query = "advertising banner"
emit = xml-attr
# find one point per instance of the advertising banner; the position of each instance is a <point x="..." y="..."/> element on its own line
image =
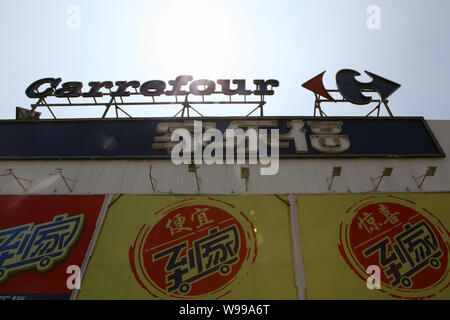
<point x="43" y="241"/>
<point x="186" y="247"/>
<point x="370" y="246"/>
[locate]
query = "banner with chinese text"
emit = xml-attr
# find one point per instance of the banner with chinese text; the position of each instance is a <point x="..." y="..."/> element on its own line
<point x="40" y="237"/>
<point x="186" y="247"/>
<point x="405" y="235"/>
<point x="151" y="138"/>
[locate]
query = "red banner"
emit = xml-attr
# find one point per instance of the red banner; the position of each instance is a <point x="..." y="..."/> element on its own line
<point x="40" y="237"/>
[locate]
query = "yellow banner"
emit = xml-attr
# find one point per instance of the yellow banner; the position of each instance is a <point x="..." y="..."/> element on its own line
<point x="183" y="247"/>
<point x="401" y="239"/>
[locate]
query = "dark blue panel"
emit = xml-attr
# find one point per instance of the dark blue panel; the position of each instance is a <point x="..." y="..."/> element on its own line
<point x="133" y="138"/>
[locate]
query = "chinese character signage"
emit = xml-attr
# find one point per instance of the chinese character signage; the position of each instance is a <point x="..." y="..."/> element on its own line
<point x="40" y="236"/>
<point x="168" y="247"/>
<point x="26" y="247"/>
<point x="153" y="138"/>
<point x="195" y="250"/>
<point x="405" y="235"/>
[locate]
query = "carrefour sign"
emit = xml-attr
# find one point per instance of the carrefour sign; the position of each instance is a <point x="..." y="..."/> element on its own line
<point x="72" y="89"/>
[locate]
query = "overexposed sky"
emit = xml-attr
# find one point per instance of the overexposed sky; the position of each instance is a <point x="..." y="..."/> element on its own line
<point x="287" y="40"/>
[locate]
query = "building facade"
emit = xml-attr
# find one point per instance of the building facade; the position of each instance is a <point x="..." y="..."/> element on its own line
<point x="96" y="209"/>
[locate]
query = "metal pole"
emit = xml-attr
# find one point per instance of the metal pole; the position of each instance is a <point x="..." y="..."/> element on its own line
<point x="299" y="268"/>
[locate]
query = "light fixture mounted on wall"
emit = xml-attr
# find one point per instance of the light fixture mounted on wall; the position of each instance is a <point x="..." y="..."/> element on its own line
<point x="193" y="168"/>
<point x="335" y="173"/>
<point x="19" y="180"/>
<point x="386" y="173"/>
<point x="245" y="174"/>
<point x="70" y="183"/>
<point x="429" y="173"/>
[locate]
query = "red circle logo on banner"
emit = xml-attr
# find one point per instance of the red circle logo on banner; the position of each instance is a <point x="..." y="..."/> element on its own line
<point x="198" y="248"/>
<point x="408" y="243"/>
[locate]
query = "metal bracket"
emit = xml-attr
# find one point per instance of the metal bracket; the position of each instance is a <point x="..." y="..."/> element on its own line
<point x="281" y="199"/>
<point x="120" y="103"/>
<point x="335" y="173"/>
<point x="10" y="172"/>
<point x="193" y="168"/>
<point x="245" y="174"/>
<point x="319" y="100"/>
<point x="386" y="173"/>
<point x="152" y="180"/>
<point x="429" y="173"/>
<point x="114" y="200"/>
<point x="58" y="171"/>
<point x="186" y="107"/>
<point x="261" y="109"/>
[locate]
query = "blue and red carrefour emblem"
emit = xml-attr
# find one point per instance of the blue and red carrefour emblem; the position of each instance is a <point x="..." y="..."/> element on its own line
<point x="197" y="248"/>
<point x="407" y="242"/>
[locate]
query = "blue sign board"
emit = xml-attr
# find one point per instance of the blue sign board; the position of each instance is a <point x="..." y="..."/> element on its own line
<point x="150" y="138"/>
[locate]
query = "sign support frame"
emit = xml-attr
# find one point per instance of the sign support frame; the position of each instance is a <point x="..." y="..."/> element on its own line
<point x="299" y="268"/>
<point x="93" y="242"/>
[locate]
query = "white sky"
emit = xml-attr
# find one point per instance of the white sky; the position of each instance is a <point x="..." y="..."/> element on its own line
<point x="290" y="41"/>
